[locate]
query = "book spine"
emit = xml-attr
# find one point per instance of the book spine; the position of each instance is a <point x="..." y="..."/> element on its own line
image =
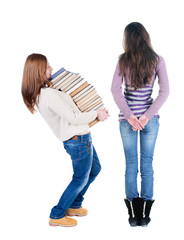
<point x="79" y="89"/>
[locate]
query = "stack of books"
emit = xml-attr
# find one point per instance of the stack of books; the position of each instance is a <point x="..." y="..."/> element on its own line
<point x="82" y="93"/>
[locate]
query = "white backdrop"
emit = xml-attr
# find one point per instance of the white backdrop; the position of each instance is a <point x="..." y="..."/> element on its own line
<point x="85" y="37"/>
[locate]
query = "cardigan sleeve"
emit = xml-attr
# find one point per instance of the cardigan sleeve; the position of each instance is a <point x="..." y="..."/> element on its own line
<point x="58" y="105"/>
<point x="163" y="90"/>
<point x="116" y="89"/>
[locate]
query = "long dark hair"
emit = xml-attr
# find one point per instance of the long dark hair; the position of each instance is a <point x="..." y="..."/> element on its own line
<point x="139" y="57"/>
<point x="34" y="78"/>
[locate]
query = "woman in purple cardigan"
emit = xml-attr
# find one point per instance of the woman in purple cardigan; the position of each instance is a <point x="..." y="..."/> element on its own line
<point x="137" y="69"/>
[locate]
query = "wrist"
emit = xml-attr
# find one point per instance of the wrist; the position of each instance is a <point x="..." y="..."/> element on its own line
<point x="146" y="115"/>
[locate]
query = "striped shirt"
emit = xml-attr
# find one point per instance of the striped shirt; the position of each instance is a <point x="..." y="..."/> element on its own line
<point x="138" y="100"/>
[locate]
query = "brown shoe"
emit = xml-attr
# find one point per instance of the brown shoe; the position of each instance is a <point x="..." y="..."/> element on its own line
<point x="63" y="222"/>
<point x="77" y="212"/>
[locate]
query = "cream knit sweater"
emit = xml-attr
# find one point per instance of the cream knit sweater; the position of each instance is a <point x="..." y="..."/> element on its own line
<point x="62" y="115"/>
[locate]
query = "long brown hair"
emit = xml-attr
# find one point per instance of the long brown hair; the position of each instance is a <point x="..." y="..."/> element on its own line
<point x="139" y="57"/>
<point x="34" y="78"/>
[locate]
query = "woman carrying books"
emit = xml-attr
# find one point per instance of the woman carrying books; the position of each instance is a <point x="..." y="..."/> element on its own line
<point x="70" y="125"/>
<point x="137" y="69"/>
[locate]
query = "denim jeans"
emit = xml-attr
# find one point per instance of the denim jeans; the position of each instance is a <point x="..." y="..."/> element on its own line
<point x="148" y="137"/>
<point x="86" y="167"/>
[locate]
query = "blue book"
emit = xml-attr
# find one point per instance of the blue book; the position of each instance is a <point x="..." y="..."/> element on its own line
<point x="57" y="73"/>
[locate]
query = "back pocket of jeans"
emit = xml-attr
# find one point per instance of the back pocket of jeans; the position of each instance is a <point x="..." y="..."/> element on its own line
<point x="124" y="124"/>
<point x="153" y="122"/>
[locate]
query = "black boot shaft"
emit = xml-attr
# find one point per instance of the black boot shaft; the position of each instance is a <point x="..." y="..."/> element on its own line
<point x="145" y="216"/>
<point x="133" y="211"/>
<point x="147" y="209"/>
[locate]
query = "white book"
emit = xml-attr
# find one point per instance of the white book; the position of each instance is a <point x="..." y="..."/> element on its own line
<point x="60" y="81"/>
<point x="67" y="81"/>
<point x="82" y="93"/>
<point x="76" y="86"/>
<point x="53" y="81"/>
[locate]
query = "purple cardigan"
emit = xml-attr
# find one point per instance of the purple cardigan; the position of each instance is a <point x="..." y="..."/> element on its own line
<point x="120" y="100"/>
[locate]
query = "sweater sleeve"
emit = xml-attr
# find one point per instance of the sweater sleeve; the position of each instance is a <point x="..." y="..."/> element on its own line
<point x="116" y="89"/>
<point x="163" y="90"/>
<point x="58" y="105"/>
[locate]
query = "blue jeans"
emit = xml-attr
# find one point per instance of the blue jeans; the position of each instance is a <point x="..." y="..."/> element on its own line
<point x="86" y="167"/>
<point x="148" y="137"/>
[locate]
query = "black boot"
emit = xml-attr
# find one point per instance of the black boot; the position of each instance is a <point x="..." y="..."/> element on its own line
<point x="145" y="208"/>
<point x="133" y="211"/>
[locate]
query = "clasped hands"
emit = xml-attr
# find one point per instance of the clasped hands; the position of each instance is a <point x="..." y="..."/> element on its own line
<point x="137" y="123"/>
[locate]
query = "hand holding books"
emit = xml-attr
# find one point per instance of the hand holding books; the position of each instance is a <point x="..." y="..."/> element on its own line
<point x="102" y="114"/>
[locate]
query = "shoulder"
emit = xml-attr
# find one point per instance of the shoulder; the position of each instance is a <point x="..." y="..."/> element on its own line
<point x="160" y="59"/>
<point x="47" y="95"/>
<point x="46" y="91"/>
<point x="161" y="62"/>
<point x="51" y="94"/>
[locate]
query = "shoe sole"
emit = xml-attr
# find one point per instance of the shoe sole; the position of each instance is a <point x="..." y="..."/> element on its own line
<point x="60" y="225"/>
<point x="77" y="215"/>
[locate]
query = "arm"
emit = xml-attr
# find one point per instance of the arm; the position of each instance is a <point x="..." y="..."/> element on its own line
<point x="163" y="91"/>
<point x="116" y="90"/>
<point x="62" y="108"/>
